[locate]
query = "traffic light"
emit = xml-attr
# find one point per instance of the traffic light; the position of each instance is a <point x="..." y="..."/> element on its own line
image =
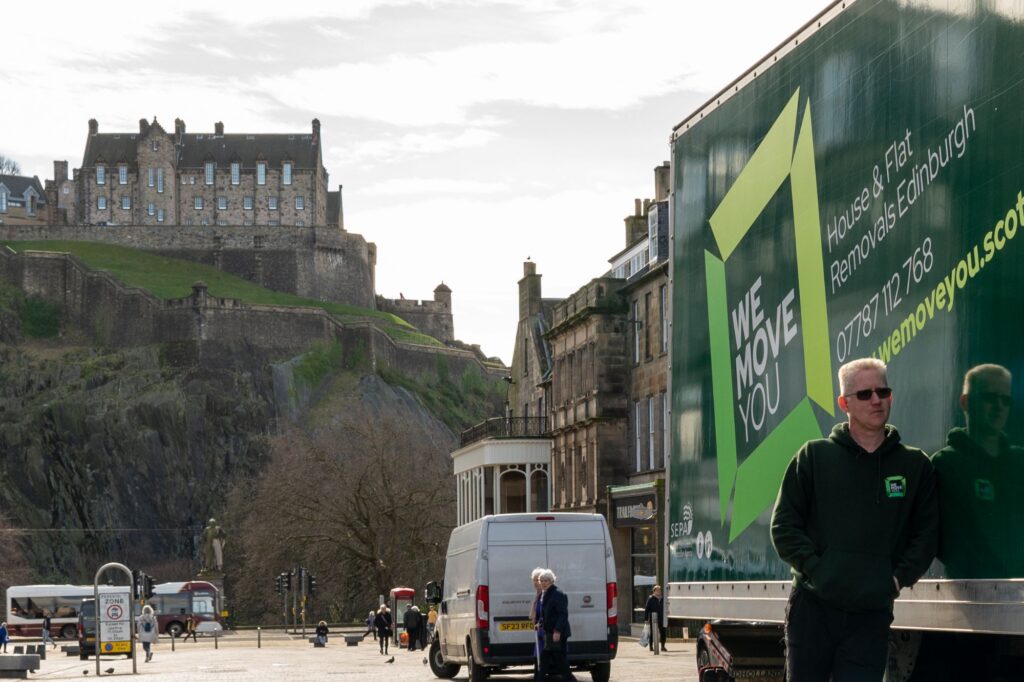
<point x="278" y="584"/>
<point x="149" y="586"/>
<point x="311" y="587"/>
<point x="286" y="581"/>
<point x="137" y="582"/>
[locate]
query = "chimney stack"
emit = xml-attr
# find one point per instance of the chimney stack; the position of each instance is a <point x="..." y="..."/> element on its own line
<point x="60" y="171"/>
<point x="341" y="209"/>
<point x="662" y="180"/>
<point x="179" y="127"/>
<point x="529" y="291"/>
<point x="218" y="128"/>
<point x="94" y="127"/>
<point x="316" y="131"/>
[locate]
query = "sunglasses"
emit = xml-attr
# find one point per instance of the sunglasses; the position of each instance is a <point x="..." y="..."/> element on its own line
<point x="990" y="398"/>
<point x="882" y="392"/>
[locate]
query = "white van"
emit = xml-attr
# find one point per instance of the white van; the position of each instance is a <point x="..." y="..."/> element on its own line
<point x="484" y="617"/>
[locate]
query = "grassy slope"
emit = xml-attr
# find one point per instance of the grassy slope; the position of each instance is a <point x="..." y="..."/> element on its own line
<point x="173" y="278"/>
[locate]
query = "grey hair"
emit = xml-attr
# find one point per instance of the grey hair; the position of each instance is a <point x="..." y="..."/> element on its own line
<point x="850" y="369"/>
<point x="974" y="374"/>
<point x="547" y="574"/>
<point x="535" y="574"/>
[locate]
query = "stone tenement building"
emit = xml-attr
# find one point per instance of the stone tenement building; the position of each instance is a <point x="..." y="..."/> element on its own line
<point x="152" y="177"/>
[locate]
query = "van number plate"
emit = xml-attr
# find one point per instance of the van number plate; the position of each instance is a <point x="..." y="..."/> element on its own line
<point x="515" y="625"/>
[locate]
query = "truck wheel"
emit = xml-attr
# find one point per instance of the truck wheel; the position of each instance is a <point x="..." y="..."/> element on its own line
<point x="445" y="671"/>
<point x="601" y="672"/>
<point x="477" y="673"/>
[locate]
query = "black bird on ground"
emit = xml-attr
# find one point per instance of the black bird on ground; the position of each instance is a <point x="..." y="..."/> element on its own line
<point x="390" y="660"/>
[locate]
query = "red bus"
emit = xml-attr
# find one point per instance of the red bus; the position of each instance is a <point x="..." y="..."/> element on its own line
<point x="173" y="602"/>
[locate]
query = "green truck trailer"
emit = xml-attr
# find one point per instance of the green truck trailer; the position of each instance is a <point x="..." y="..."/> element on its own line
<point x="856" y="193"/>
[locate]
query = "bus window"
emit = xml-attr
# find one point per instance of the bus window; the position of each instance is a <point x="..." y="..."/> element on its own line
<point x="202" y="603"/>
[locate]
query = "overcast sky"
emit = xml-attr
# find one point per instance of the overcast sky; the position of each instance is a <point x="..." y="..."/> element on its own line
<point x="468" y="135"/>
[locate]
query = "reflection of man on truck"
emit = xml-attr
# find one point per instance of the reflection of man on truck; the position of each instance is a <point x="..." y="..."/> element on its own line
<point x="857" y="519"/>
<point x="981" y="484"/>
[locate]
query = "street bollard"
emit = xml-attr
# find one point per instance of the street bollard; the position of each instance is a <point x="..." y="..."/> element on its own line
<point x="172" y="641"/>
<point x="259" y="638"/>
<point x="216" y="638"/>
<point x="656" y="637"/>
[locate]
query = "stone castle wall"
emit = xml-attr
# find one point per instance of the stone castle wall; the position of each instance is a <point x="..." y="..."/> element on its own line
<point x="430" y="317"/>
<point x="325" y="264"/>
<point x="119" y="316"/>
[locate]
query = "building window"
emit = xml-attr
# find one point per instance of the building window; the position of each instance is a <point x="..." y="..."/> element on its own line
<point x="637" y="323"/>
<point x="101" y="175"/>
<point x="647" y="327"/>
<point x="300" y="223"/>
<point x="126" y="203"/>
<point x="272" y="203"/>
<point x="155" y="146"/>
<point x="247" y="203"/>
<point x="151" y="209"/>
<point x="3" y="202"/>
<point x="539" y="491"/>
<point x="300" y="203"/>
<point x="66" y="189"/>
<point x="261" y="173"/>
<point x="663" y="316"/>
<point x="122" y="175"/>
<point x="159" y="179"/>
<point x="512" y="495"/>
<point x="151" y="177"/>
<point x="101" y="203"/>
<point x="650" y="432"/>
<point x="236" y="173"/>
<point x="637" y="439"/>
<point x="198" y="203"/>
<point x="286" y="173"/>
<point x="222" y="203"/>
<point x="209" y="172"/>
<point x="666" y="436"/>
<point x="159" y="215"/>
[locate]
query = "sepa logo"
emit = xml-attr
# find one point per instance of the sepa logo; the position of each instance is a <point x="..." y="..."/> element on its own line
<point x="739" y="362"/>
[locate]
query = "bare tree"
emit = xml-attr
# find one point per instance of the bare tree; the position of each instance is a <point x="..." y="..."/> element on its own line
<point x="9" y="166"/>
<point x="367" y="503"/>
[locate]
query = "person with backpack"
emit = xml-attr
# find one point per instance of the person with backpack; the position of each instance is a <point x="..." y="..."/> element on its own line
<point x="147" y="631"/>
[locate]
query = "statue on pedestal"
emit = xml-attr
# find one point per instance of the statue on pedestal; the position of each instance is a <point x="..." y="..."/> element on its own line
<point x="212" y="543"/>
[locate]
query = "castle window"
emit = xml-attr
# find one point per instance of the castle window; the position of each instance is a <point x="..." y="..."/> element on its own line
<point x="222" y="203"/>
<point x="261" y="173"/>
<point x="101" y="203"/>
<point x="247" y="203"/>
<point x="204" y="221"/>
<point x="209" y="172"/>
<point x="286" y="173"/>
<point x="122" y="175"/>
<point x="159" y="215"/>
<point x="272" y="203"/>
<point x="198" y="203"/>
<point x="159" y="179"/>
<point x="236" y="173"/>
<point x="126" y="203"/>
<point x="66" y="189"/>
<point x="101" y="175"/>
<point x="273" y="223"/>
<point x="151" y="209"/>
<point x="300" y="223"/>
<point x="155" y="146"/>
<point x="151" y="177"/>
<point x="300" y="203"/>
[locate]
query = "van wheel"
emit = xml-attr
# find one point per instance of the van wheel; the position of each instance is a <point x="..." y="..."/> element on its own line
<point x="477" y="673"/>
<point x="601" y="672"/>
<point x="68" y="632"/>
<point x="445" y="671"/>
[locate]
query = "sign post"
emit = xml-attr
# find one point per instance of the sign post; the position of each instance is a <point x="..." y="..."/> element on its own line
<point x="115" y="626"/>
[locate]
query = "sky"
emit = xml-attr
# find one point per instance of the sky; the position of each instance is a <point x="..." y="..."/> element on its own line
<point x="469" y="136"/>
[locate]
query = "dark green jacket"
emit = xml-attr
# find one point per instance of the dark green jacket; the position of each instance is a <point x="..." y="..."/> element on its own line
<point x="981" y="498"/>
<point x="848" y="521"/>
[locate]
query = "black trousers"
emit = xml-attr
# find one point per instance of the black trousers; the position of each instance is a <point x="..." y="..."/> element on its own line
<point x="556" y="661"/>
<point x="823" y="641"/>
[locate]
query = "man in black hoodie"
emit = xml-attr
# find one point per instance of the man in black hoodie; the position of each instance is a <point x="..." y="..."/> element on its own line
<point x="981" y="484"/>
<point x="857" y="519"/>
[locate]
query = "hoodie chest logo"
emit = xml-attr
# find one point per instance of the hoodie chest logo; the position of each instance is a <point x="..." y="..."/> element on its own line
<point x="984" y="490"/>
<point x="896" y="486"/>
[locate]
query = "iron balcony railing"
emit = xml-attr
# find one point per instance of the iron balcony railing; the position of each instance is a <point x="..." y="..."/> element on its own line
<point x="506" y="427"/>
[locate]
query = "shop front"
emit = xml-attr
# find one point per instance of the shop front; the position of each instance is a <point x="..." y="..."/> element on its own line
<point x="635" y="512"/>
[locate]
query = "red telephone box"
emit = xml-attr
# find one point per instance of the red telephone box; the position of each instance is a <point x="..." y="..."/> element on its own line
<point x="401" y="601"/>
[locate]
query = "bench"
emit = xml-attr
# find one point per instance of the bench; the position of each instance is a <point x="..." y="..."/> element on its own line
<point x="354" y="640"/>
<point x="17" y="666"/>
<point x="70" y="649"/>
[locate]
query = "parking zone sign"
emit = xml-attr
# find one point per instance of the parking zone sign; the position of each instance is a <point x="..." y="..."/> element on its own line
<point x="115" y="626"/>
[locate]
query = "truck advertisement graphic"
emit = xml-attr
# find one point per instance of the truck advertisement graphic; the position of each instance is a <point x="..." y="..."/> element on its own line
<point x="859" y="193"/>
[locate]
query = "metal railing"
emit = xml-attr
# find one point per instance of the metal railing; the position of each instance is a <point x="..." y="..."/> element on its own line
<point x="505" y="427"/>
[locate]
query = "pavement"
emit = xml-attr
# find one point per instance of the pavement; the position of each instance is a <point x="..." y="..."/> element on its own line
<point x="282" y="656"/>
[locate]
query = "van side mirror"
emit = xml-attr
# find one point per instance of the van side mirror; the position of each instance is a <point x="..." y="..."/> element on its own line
<point x="432" y="593"/>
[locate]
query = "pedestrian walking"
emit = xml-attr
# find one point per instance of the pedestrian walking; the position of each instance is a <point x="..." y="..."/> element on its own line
<point x="538" y="626"/>
<point x="554" y="618"/>
<point x="412" y="621"/>
<point x="5" y="636"/>
<point x="431" y="620"/>
<point x="369" y="625"/>
<point x="190" y="628"/>
<point x="147" y="630"/>
<point x="654" y="615"/>
<point x="382" y="621"/>
<point x="47" y="637"/>
<point x="857" y="519"/>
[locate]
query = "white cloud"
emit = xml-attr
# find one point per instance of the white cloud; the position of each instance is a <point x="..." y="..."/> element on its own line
<point x="389" y="148"/>
<point x="433" y="186"/>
